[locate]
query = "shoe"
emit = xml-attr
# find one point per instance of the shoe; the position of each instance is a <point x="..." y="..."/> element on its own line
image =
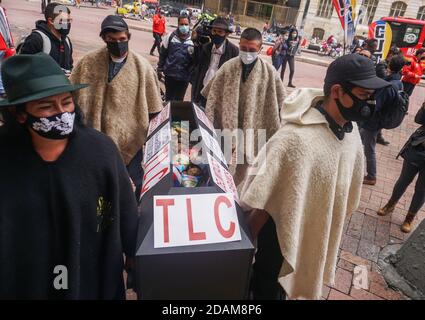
<point x="387" y="209"/>
<point x="380" y="139"/>
<point x="290" y="85"/>
<point x="369" y="181"/>
<point x="406" y="227"/>
<point x="151" y="53"/>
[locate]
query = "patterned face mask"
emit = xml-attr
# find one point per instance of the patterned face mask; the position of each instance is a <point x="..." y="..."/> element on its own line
<point x="56" y="127"/>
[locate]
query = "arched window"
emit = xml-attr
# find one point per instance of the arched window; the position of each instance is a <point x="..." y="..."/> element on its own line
<point x="421" y="13"/>
<point x="370" y="9"/>
<point x="398" y="9"/>
<point x="318" y="33"/>
<point x="325" y="9"/>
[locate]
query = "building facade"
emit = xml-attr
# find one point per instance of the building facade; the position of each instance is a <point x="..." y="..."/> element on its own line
<point x="322" y="20"/>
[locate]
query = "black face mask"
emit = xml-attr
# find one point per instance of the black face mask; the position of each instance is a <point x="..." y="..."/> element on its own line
<point x="218" y="40"/>
<point x="64" y="30"/>
<point x="117" y="49"/>
<point x="57" y="127"/>
<point x="361" y="110"/>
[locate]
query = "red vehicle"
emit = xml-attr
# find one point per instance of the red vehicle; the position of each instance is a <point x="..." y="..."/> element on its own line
<point x="6" y="40"/>
<point x="407" y="34"/>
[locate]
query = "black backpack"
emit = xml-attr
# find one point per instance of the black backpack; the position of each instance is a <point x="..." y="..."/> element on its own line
<point x="392" y="115"/>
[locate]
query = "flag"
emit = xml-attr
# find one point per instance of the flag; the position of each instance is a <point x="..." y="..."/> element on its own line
<point x="346" y="15"/>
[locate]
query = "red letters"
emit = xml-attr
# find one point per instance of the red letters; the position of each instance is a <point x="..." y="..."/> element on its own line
<point x="165" y="203"/>
<point x="225" y="233"/>
<point x="192" y="235"/>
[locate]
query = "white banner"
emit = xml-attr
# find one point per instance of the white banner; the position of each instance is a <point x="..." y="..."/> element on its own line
<point x="195" y="219"/>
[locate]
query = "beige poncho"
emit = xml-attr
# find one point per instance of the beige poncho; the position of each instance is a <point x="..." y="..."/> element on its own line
<point x="254" y="104"/>
<point x="311" y="182"/>
<point x="121" y="108"/>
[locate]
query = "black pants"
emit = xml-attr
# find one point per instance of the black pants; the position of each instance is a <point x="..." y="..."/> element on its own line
<point x="157" y="42"/>
<point x="408" y="88"/>
<point x="268" y="262"/>
<point x="175" y="90"/>
<point x="407" y="175"/>
<point x="291" y="61"/>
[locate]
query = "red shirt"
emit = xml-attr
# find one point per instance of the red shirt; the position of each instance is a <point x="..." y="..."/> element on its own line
<point x="413" y="73"/>
<point x="158" y="24"/>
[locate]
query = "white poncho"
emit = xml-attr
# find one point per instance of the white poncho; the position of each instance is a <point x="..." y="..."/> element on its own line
<point x="311" y="182"/>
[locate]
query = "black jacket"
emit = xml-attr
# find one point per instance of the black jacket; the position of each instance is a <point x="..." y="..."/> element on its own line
<point x="202" y="61"/>
<point x="79" y="212"/>
<point x="60" y="51"/>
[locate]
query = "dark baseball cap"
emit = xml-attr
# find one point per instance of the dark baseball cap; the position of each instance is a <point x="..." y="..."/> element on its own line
<point x="220" y="23"/>
<point x="356" y="70"/>
<point x="113" y="22"/>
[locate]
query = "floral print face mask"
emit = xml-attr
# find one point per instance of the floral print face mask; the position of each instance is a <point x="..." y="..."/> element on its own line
<point x="56" y="127"/>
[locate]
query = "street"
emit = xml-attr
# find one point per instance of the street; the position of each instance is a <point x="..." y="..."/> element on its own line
<point x="365" y="233"/>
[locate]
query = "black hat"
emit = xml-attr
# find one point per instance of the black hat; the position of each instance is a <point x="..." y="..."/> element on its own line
<point x="356" y="70"/>
<point x="221" y="23"/>
<point x="32" y="77"/>
<point x="112" y="22"/>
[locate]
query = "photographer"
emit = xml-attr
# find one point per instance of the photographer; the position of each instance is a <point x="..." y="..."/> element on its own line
<point x="210" y="56"/>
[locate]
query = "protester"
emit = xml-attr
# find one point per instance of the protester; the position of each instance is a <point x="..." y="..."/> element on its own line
<point x="67" y="200"/>
<point x="210" y="57"/>
<point x="310" y="178"/>
<point x="293" y="43"/>
<point x="382" y="72"/>
<point x="370" y="129"/>
<point x="158" y="29"/>
<point x="176" y="60"/>
<point x="51" y="36"/>
<point x="124" y="90"/>
<point x="413" y="154"/>
<point x="280" y="52"/>
<point x="412" y="74"/>
<point x="246" y="93"/>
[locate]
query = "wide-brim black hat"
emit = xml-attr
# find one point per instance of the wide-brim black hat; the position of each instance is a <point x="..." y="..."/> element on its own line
<point x="32" y="77"/>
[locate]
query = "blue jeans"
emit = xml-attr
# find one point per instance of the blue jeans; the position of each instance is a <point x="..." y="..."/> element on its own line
<point x="369" y="144"/>
<point x="277" y="61"/>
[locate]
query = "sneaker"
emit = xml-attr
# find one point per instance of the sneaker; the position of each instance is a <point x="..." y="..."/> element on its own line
<point x="380" y="139"/>
<point x="387" y="209"/>
<point x="406" y="227"/>
<point x="369" y="181"/>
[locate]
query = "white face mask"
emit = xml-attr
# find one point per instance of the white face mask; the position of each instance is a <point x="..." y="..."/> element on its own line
<point x="248" y="57"/>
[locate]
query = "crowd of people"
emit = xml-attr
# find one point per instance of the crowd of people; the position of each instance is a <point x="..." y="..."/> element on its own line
<point x="76" y="130"/>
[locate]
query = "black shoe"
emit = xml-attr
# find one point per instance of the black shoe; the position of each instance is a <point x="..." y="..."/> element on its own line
<point x="290" y="85"/>
<point x="380" y="139"/>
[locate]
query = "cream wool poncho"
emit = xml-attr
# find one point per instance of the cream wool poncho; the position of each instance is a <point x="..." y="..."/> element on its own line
<point x="254" y="104"/>
<point x="121" y="108"/>
<point x="311" y="182"/>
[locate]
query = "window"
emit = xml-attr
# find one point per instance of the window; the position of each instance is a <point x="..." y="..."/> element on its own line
<point x="370" y="9"/>
<point x="318" y="33"/>
<point x="325" y="9"/>
<point x="421" y="13"/>
<point x="398" y="9"/>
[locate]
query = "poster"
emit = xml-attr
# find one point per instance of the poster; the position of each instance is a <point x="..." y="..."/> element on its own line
<point x="156" y="169"/>
<point x="156" y="142"/>
<point x="222" y="177"/>
<point x="204" y="119"/>
<point x="212" y="144"/>
<point x="159" y="119"/>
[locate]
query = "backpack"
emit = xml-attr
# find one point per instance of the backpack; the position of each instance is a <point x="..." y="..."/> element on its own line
<point x="392" y="116"/>
<point x="47" y="45"/>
